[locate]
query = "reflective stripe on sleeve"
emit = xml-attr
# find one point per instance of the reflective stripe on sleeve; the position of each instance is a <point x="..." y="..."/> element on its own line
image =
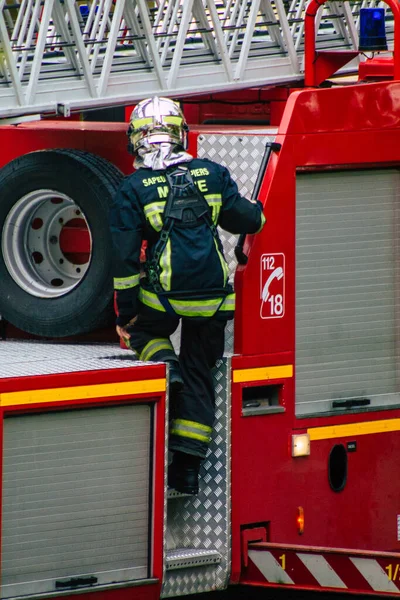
<point x="154" y="346"/>
<point x="191" y="429"/>
<point x="215" y="201"/>
<point x="124" y="283"/>
<point x="153" y="213"/>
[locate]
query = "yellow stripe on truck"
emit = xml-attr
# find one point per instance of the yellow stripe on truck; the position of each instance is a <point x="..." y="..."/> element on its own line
<point x="262" y="373"/>
<point x="83" y="392"/>
<point x="353" y="429"/>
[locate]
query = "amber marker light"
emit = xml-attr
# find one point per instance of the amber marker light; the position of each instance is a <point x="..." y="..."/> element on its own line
<point x="300" y="444"/>
<point x="300" y="520"/>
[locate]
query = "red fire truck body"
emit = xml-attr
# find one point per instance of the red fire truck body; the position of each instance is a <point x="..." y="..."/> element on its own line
<point x="348" y="500"/>
<point x="300" y="487"/>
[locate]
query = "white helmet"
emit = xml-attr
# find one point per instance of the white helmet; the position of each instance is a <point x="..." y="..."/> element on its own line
<point x="154" y="121"/>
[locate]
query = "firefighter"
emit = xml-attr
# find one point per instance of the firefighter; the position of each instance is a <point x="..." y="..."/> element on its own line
<point x="175" y="202"/>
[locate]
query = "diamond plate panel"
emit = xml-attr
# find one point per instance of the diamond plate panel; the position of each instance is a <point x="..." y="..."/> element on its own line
<point x="204" y="521"/>
<point x="20" y="359"/>
<point x="242" y="155"/>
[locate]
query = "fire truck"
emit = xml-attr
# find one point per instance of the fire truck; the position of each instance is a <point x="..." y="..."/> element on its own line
<point x="300" y="489"/>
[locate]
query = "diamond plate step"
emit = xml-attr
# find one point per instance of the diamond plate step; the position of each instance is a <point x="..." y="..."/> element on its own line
<point x="191" y="557"/>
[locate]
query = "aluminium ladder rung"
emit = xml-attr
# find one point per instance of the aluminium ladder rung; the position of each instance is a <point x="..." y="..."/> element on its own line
<point x="71" y="55"/>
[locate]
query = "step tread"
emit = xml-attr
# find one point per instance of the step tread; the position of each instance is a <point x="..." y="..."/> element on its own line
<point x="171" y="494"/>
<point x="183" y="558"/>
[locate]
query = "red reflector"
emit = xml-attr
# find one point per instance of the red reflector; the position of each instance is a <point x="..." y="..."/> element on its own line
<point x="300" y="520"/>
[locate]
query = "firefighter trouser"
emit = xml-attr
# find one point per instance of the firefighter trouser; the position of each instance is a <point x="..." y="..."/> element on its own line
<point x="202" y="344"/>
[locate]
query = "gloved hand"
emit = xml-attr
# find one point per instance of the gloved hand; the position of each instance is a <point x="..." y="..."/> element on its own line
<point x="122" y="331"/>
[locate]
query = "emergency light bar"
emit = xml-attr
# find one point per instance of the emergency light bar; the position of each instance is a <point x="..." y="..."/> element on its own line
<point x="372" y="29"/>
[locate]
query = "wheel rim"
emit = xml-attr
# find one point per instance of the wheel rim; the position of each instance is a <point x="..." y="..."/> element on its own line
<point x="46" y="244"/>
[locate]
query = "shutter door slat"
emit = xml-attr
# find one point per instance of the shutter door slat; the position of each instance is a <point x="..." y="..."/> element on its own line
<point x="75" y="497"/>
<point x="346" y="288"/>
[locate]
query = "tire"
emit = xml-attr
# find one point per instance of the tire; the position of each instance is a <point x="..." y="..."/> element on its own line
<point x="55" y="259"/>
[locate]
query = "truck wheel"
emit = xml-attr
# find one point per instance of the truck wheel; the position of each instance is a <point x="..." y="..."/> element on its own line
<point x="55" y="260"/>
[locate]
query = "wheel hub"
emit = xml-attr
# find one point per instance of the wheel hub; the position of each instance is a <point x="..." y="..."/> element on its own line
<point x="46" y="243"/>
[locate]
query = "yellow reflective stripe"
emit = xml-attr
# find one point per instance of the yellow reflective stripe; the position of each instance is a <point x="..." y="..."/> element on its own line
<point x="215" y="201"/>
<point x="154" y="346"/>
<point x="83" y="392"/>
<point x="224" y="265"/>
<point x="228" y="303"/>
<point x="263" y="221"/>
<point x="352" y="429"/>
<point x="124" y="283"/>
<point x="262" y="373"/>
<point x="155" y="221"/>
<point x="166" y="269"/>
<point x="193" y="424"/>
<point x="189" y="303"/>
<point x="137" y="123"/>
<point x="190" y="429"/>
<point x="193" y="308"/>
<point x="154" y="207"/>
<point x="150" y="299"/>
<point x="189" y="308"/>
<point x="153" y="213"/>
<point x="189" y="434"/>
<point x="172" y="120"/>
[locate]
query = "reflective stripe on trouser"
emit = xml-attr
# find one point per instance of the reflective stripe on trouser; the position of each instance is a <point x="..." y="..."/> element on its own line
<point x="191" y="430"/>
<point x="190" y="308"/>
<point x="155" y="346"/>
<point x="150" y="339"/>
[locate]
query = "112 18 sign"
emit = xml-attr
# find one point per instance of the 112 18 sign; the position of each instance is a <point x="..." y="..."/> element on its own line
<point x="272" y="286"/>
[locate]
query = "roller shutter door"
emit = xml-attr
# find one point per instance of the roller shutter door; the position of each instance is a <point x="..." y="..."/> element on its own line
<point x="75" y="498"/>
<point x="347" y="289"/>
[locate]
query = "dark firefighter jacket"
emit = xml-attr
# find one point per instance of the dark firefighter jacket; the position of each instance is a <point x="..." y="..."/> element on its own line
<point x="193" y="270"/>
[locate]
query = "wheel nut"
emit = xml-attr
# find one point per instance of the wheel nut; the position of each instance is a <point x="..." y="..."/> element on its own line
<point x="53" y="239"/>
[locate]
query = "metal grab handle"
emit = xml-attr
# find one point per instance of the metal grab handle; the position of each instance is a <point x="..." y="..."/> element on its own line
<point x="241" y="257"/>
<point x="75" y="582"/>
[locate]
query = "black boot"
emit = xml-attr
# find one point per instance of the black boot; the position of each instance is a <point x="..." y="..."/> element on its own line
<point x="183" y="473"/>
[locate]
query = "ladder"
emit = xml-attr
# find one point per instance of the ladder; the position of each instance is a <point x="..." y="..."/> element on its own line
<point x="57" y="56"/>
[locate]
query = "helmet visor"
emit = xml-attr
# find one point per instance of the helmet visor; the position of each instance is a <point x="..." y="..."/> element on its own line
<point x="166" y="128"/>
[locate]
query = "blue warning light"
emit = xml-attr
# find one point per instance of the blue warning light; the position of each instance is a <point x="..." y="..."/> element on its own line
<point x="84" y="10"/>
<point x="372" y="29"/>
